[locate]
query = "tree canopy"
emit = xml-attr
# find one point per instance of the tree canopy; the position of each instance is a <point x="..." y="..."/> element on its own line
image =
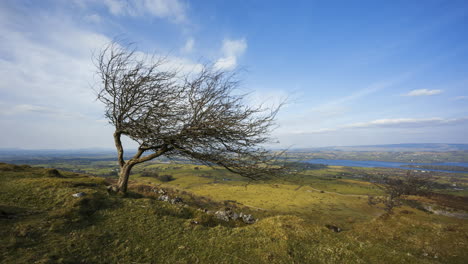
<point x="197" y="115"/>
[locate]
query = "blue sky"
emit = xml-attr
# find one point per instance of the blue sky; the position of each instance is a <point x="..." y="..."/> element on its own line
<point x="354" y="72"/>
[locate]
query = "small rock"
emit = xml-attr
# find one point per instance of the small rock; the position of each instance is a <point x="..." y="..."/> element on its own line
<point x="234" y="216"/>
<point x="177" y="200"/>
<point x="333" y="228"/>
<point x="222" y="215"/>
<point x="248" y="219"/>
<point x="80" y="194"/>
<point x="164" y="198"/>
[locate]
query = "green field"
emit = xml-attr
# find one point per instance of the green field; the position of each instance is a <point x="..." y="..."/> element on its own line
<point x="42" y="223"/>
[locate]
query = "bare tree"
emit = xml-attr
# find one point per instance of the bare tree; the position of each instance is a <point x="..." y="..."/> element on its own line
<point x="194" y="115"/>
<point x="395" y="187"/>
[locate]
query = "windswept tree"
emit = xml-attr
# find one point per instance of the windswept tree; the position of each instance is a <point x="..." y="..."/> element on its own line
<point x="195" y="115"/>
<point x="395" y="187"/>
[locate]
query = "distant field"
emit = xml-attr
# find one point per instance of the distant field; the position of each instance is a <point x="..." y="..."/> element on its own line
<point x="393" y="156"/>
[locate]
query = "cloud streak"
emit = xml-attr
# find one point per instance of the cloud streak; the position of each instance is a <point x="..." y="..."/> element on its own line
<point x="188" y="46"/>
<point x="37" y="110"/>
<point x="173" y="10"/>
<point x="395" y="123"/>
<point x="232" y="49"/>
<point x="423" y="92"/>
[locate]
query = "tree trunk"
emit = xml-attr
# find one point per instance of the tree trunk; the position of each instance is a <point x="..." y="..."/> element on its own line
<point x="124" y="174"/>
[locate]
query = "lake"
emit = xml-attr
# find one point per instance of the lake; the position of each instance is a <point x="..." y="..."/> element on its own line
<point x="384" y="164"/>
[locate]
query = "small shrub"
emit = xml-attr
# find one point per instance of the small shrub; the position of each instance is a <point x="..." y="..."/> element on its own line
<point x="53" y="173"/>
<point x="396" y="187"/>
<point x="166" y="178"/>
<point x="149" y="173"/>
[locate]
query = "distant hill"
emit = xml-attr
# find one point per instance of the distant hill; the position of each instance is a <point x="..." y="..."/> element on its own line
<point x="438" y="147"/>
<point x="9" y="154"/>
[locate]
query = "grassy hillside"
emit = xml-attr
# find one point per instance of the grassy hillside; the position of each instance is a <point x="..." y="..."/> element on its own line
<point x="43" y="223"/>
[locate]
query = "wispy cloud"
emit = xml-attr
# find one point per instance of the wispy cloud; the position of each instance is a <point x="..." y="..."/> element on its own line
<point x="232" y="50"/>
<point x="463" y="97"/>
<point x="394" y="123"/>
<point x="188" y="46"/>
<point x="173" y="10"/>
<point x="423" y="92"/>
<point x="338" y="104"/>
<point x="37" y="110"/>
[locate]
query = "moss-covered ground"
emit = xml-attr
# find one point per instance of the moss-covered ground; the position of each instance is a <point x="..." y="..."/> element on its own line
<point x="41" y="222"/>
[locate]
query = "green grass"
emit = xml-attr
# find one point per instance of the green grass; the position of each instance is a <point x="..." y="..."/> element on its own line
<point x="45" y="224"/>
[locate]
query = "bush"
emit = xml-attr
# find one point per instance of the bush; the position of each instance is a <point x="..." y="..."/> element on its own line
<point x="166" y="178"/>
<point x="52" y="173"/>
<point x="148" y="173"/>
<point x="396" y="187"/>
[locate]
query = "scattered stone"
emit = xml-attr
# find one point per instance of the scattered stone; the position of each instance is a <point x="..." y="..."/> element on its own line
<point x="234" y="216"/>
<point x="164" y="198"/>
<point x="227" y="215"/>
<point x="194" y="222"/>
<point x="80" y="194"/>
<point x="247" y="218"/>
<point x="333" y="228"/>
<point x="177" y="200"/>
<point x="163" y="192"/>
<point x="222" y="215"/>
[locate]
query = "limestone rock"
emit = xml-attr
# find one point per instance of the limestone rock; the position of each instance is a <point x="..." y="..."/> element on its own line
<point x="333" y="228"/>
<point x="222" y="215"/>
<point x="247" y="218"/>
<point x="177" y="200"/>
<point x="164" y="198"/>
<point x="80" y="194"/>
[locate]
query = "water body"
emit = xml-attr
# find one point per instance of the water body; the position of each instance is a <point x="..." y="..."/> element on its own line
<point x="384" y="164"/>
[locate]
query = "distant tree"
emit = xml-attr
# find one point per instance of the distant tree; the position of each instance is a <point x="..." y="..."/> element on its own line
<point x="166" y="177"/>
<point x="149" y="173"/>
<point x="195" y="115"/>
<point x="395" y="187"/>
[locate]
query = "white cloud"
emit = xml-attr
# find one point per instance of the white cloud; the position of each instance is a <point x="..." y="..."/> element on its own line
<point x="174" y="10"/>
<point x="234" y="47"/>
<point x="116" y="7"/>
<point x="396" y="123"/>
<point x="423" y="92"/>
<point x="461" y="98"/>
<point x="232" y="50"/>
<point x="37" y="111"/>
<point x="47" y="75"/>
<point x="188" y="46"/>
<point x="226" y="63"/>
